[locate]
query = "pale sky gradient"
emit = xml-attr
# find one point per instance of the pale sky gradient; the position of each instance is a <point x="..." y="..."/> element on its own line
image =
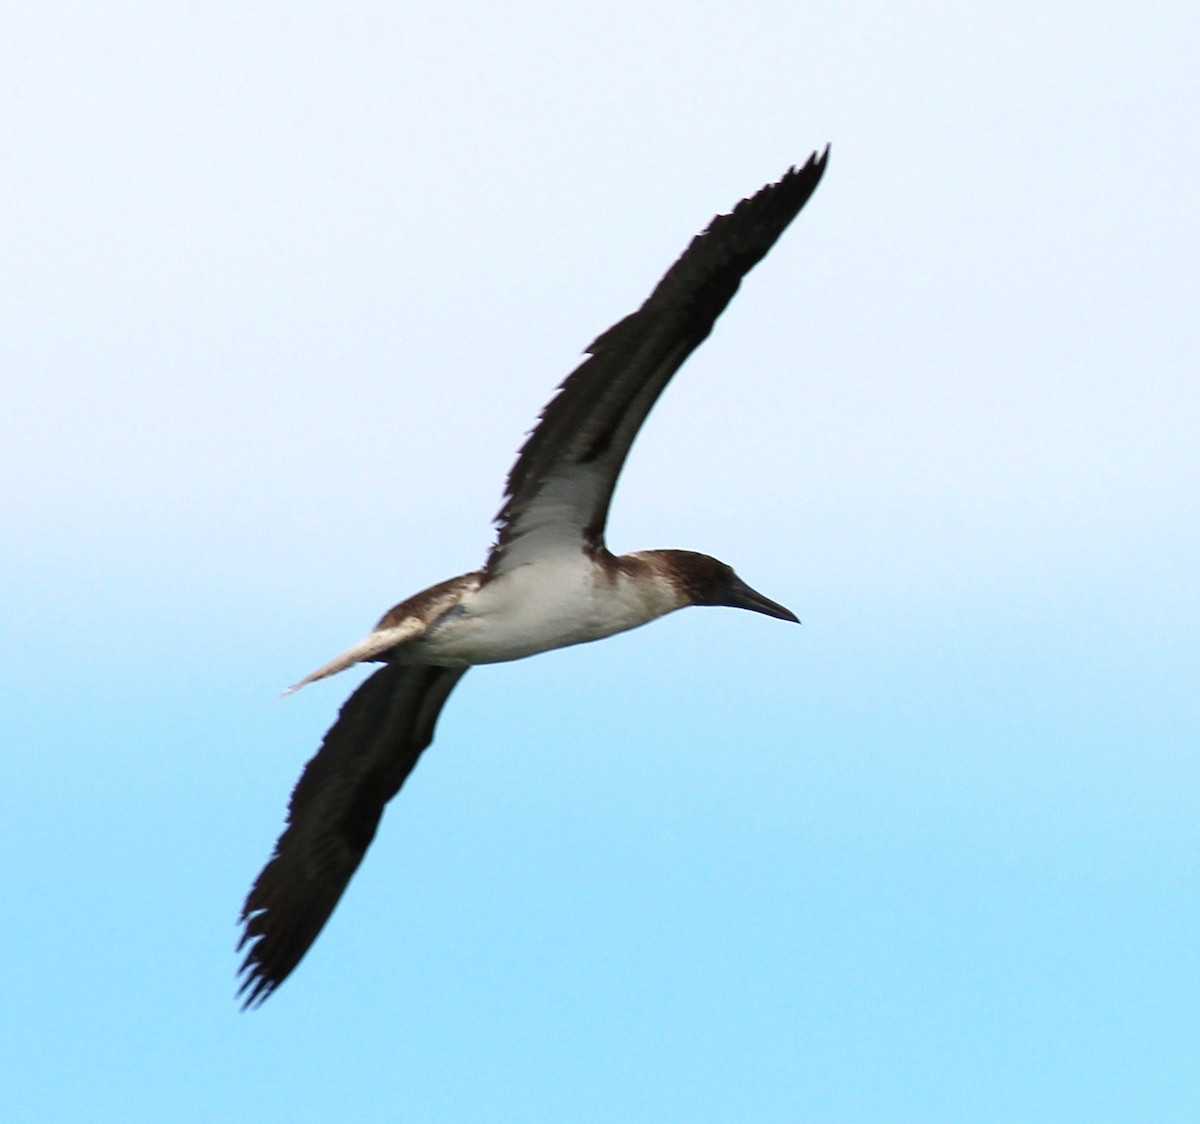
<point x="282" y="289"/>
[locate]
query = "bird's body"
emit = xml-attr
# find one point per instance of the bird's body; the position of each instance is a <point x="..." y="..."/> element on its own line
<point x="551" y="603"/>
<point x="549" y="582"/>
<point x="544" y="606"/>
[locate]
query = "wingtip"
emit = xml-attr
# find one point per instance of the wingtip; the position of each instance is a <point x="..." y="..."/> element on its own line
<point x="255" y="982"/>
<point x="253" y="993"/>
<point x="816" y="162"/>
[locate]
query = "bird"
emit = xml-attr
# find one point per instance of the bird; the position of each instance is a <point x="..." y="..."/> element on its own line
<point x="549" y="581"/>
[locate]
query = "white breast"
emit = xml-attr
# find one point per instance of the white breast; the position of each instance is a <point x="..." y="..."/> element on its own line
<point x="549" y="604"/>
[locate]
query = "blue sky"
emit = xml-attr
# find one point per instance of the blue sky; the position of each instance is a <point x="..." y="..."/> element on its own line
<point x="282" y="289"/>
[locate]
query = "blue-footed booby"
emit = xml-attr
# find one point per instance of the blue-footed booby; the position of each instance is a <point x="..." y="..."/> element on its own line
<point x="548" y="582"/>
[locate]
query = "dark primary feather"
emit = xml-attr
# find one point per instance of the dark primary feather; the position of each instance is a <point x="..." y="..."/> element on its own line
<point x="600" y="407"/>
<point x="335" y="808"/>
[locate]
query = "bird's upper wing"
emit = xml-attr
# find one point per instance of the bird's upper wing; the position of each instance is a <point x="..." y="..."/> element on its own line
<point x="333" y="814"/>
<point x="559" y="489"/>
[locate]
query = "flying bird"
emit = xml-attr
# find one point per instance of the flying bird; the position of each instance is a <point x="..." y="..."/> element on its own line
<point x="549" y="582"/>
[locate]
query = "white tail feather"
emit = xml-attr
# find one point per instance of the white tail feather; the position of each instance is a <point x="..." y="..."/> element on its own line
<point x="380" y="641"/>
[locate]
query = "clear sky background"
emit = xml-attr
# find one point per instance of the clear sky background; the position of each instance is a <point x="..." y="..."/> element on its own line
<point x="283" y="285"/>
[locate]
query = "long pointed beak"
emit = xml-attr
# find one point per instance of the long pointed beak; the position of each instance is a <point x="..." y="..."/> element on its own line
<point x="739" y="595"/>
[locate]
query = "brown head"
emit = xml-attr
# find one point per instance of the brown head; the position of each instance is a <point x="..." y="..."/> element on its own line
<point x="702" y="580"/>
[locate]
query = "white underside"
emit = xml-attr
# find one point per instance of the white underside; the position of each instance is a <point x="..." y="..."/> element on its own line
<point x="538" y="607"/>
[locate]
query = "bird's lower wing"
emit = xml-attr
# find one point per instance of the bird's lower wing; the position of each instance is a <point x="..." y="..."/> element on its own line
<point x="334" y="810"/>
